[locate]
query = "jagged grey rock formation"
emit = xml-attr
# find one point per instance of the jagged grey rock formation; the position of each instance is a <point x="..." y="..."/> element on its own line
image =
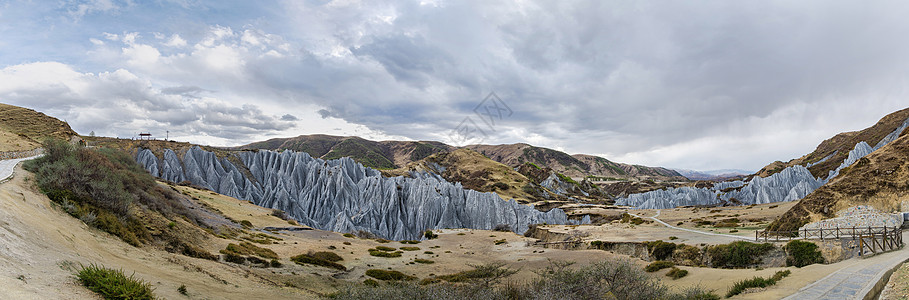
<point x="861" y="149"/>
<point x="342" y="195"/>
<point x="555" y="184"/>
<point x="672" y="197"/>
<point x="793" y="183"/>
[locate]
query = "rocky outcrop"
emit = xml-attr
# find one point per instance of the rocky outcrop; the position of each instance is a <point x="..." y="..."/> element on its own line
<point x="342" y="195"/>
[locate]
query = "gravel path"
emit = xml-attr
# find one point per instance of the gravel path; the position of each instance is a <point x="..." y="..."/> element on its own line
<point x="692" y="230"/>
<point x="7" y="166"/>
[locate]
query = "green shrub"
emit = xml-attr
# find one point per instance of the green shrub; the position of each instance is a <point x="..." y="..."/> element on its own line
<point x="430" y="235"/>
<point x="487" y="272"/>
<point x="386" y="249"/>
<point x="274" y="263"/>
<point x="739" y="254"/>
<point x="383" y="241"/>
<point x="499" y="242"/>
<point x="234" y="258"/>
<point x="423" y="261"/>
<point x="410" y="248"/>
<point x="113" y="284"/>
<point x="801" y="253"/>
<point x="380" y="253"/>
<point x="412" y="242"/>
<point x="247" y="248"/>
<point x="246" y="223"/>
<point x="676" y="273"/>
<point x="349" y="235"/>
<point x="388" y="275"/>
<point x="326" y="255"/>
<point x="672" y="238"/>
<point x="308" y="258"/>
<point x="370" y="282"/>
<point x="756" y="282"/>
<point x="107" y="189"/>
<point x="182" y="289"/>
<point x="660" y="250"/>
<point x="428" y="252"/>
<point x="658" y="265"/>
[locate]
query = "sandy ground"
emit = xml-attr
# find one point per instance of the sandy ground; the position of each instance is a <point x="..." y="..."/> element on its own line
<point x="40" y="246"/>
<point x="898" y="286"/>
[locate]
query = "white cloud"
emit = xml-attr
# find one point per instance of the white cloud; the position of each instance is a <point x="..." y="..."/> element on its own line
<point x="175" y="41"/>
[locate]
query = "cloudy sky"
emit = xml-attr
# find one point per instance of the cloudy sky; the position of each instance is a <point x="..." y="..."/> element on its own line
<point x="705" y="85"/>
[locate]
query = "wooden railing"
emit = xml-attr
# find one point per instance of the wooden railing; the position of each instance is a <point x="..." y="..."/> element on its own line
<point x="871" y="239"/>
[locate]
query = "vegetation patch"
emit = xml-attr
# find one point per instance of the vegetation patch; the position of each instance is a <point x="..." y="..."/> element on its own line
<point x="384" y="248"/>
<point x="410" y="248"/>
<point x="660" y="250"/>
<point x="430" y="235"/>
<point x="313" y="258"/>
<point x="411" y="242"/>
<point x="677" y="273"/>
<point x="388" y="275"/>
<point x="658" y="265"/>
<point x="756" y="282"/>
<point x="626" y="218"/>
<point x="801" y="253"/>
<point x="490" y="273"/>
<point x="247" y="248"/>
<point x="423" y="261"/>
<point x="380" y="253"/>
<point x="113" y="284"/>
<point x="499" y="242"/>
<point x="739" y="254"/>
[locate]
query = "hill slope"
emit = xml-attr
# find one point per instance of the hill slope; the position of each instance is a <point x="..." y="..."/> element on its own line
<point x="24" y="129"/>
<point x="880" y="179"/>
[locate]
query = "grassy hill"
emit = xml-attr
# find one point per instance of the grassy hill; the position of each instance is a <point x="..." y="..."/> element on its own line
<point x="25" y="129"/>
<point x="576" y="166"/>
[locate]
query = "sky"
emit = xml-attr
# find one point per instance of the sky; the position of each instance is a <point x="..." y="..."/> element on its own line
<point x="685" y="84"/>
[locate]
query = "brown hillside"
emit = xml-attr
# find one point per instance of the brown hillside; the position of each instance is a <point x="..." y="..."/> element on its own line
<point x="880" y="179"/>
<point x="840" y="145"/>
<point x="24" y="129"/>
<point x="576" y="166"/>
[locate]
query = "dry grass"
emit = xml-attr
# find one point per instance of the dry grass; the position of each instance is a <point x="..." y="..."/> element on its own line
<point x="32" y="125"/>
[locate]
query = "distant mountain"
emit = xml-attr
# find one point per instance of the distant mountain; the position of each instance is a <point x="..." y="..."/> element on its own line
<point x="714" y="175"/>
<point x="576" y="166"/>
<point x="397" y="154"/>
<point x="378" y="155"/>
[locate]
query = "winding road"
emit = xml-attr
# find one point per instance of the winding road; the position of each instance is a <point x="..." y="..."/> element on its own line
<point x="691" y="230"/>
<point x="7" y="166"/>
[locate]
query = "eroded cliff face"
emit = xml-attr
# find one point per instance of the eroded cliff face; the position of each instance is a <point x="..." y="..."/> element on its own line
<point x="342" y="195"/>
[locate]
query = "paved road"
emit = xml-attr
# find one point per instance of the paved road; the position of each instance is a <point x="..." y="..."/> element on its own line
<point x="854" y="281"/>
<point x="7" y="166"/>
<point x="691" y="230"/>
